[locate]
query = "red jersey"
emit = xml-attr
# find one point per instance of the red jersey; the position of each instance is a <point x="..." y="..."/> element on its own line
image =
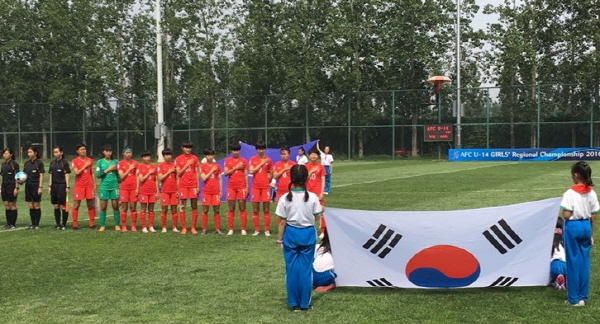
<point x="236" y="179"/>
<point x="211" y="185"/>
<point x="315" y="180"/>
<point x="260" y="179"/>
<point x="84" y="179"/>
<point x="169" y="184"/>
<point x="189" y="178"/>
<point x="130" y="181"/>
<point x="147" y="187"/>
<point x="283" y="182"/>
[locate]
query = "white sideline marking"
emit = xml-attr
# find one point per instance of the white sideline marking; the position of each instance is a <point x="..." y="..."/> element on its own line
<point x="419" y="175"/>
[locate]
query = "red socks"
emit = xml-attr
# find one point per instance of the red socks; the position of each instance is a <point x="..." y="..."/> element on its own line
<point x="194" y="218"/>
<point x="174" y="219"/>
<point x="230" y="221"/>
<point x="151" y="219"/>
<point x="143" y="218"/>
<point x="255" y="221"/>
<point x="123" y="218"/>
<point x="182" y="219"/>
<point x="163" y="219"/>
<point x="75" y="214"/>
<point x="267" y="221"/>
<point x="243" y="219"/>
<point x="204" y="221"/>
<point x="92" y="216"/>
<point x="217" y="220"/>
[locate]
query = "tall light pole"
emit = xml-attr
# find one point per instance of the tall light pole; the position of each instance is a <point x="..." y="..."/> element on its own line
<point x="160" y="130"/>
<point x="458" y="103"/>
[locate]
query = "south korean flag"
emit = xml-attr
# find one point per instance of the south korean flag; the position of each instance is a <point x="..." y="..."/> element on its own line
<point x="487" y="247"/>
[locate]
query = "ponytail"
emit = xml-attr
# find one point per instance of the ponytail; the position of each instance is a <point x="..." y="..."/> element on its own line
<point x="298" y="176"/>
<point x="584" y="171"/>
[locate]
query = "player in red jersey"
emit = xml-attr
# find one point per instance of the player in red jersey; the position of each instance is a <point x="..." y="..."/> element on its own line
<point x="281" y="173"/>
<point x="236" y="168"/>
<point x="85" y="185"/>
<point x="188" y="176"/>
<point x="210" y="172"/>
<point x="167" y="177"/>
<point x="261" y="168"/>
<point x="127" y="189"/>
<point x="316" y="181"/>
<point x="147" y="191"/>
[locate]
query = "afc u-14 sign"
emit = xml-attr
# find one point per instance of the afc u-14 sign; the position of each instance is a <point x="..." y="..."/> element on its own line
<point x="487" y="247"/>
<point x="551" y="154"/>
<point x="438" y="133"/>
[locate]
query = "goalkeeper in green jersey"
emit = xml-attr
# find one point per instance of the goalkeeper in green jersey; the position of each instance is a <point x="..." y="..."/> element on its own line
<point x="106" y="171"/>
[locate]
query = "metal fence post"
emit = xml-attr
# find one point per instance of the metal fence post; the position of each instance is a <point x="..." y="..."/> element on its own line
<point x="226" y="126"/>
<point x="393" y="125"/>
<point x="19" y="130"/>
<point x="591" y="121"/>
<point x="487" y="117"/>
<point x="145" y="127"/>
<point x="539" y="114"/>
<point x="266" y="120"/>
<point x="349" y="130"/>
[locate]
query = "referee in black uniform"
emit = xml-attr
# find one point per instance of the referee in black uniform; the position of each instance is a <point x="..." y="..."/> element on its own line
<point x="34" y="168"/>
<point x="59" y="171"/>
<point x="10" y="187"/>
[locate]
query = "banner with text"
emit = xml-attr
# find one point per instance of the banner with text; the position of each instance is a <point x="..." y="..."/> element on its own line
<point x="541" y="154"/>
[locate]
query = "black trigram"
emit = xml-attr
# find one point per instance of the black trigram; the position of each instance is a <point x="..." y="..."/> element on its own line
<point x="390" y="238"/>
<point x="504" y="282"/>
<point x="381" y="282"/>
<point x="499" y="237"/>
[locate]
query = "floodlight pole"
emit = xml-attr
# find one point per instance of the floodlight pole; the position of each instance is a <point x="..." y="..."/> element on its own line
<point x="458" y="103"/>
<point x="160" y="127"/>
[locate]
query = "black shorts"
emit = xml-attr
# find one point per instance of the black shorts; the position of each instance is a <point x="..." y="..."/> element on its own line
<point x="58" y="194"/>
<point x="8" y="191"/>
<point x="31" y="192"/>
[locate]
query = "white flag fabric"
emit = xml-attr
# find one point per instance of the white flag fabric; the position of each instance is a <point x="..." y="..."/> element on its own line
<point x="487" y="247"/>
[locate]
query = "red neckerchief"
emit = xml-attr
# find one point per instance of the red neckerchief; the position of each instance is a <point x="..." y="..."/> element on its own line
<point x="581" y="188"/>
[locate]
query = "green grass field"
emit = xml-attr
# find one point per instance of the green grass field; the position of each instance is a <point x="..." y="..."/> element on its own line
<point x="50" y="276"/>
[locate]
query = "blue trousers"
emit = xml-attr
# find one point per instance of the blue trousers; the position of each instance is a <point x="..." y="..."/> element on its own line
<point x="324" y="278"/>
<point x="577" y="236"/>
<point x="299" y="254"/>
<point x="557" y="267"/>
<point x="327" y="179"/>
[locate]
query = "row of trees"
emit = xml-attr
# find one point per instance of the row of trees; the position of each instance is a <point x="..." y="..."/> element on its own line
<point x="290" y="58"/>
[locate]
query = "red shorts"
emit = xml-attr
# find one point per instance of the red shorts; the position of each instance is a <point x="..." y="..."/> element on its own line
<point x="261" y="195"/>
<point x="168" y="199"/>
<point x="147" y="198"/>
<point x="127" y="195"/>
<point x="211" y="200"/>
<point x="237" y="194"/>
<point x="187" y="193"/>
<point x="83" y="193"/>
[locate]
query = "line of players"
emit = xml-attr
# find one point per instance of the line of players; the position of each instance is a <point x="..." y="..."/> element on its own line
<point x="173" y="183"/>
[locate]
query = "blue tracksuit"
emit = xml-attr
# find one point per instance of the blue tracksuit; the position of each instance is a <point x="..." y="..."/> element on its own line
<point x="577" y="238"/>
<point x="557" y="267"/>
<point x="324" y="278"/>
<point x="299" y="254"/>
<point x="327" y="179"/>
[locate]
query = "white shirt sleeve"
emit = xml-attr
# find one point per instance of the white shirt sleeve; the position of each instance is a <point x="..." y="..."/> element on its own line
<point x="280" y="210"/>
<point x="567" y="201"/>
<point x="595" y="204"/>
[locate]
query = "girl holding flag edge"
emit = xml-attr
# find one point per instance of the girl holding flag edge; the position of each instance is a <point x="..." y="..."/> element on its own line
<point x="579" y="209"/>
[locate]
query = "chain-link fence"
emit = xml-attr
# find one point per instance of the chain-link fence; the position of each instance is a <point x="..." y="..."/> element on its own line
<point x="383" y="124"/>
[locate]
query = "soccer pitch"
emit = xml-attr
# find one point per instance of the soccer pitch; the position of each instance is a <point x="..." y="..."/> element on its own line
<point x="50" y="276"/>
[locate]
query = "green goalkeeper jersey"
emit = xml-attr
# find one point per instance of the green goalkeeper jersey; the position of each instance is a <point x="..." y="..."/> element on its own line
<point x="108" y="181"/>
